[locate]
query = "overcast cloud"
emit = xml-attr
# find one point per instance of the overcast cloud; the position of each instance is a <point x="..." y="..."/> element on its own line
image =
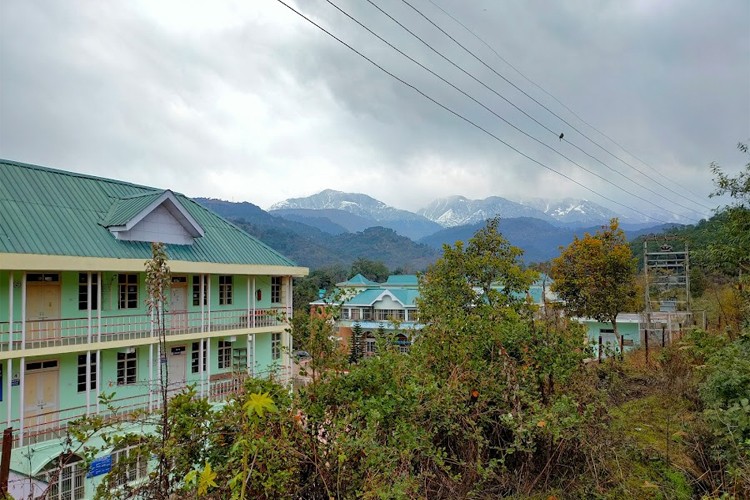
<point x="247" y="101"/>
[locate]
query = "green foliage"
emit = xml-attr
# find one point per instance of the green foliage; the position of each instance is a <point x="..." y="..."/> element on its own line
<point x="493" y="400"/>
<point x="356" y="349"/>
<point x="306" y="289"/>
<point x="595" y="275"/>
<point x="370" y="269"/>
<point x="726" y="396"/>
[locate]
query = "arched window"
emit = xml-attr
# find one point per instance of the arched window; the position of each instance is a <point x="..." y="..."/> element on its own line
<point x="403" y="343"/>
<point x="65" y="477"/>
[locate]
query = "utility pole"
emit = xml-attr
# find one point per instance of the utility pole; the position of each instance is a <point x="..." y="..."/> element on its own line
<point x="667" y="282"/>
<point x="5" y="460"/>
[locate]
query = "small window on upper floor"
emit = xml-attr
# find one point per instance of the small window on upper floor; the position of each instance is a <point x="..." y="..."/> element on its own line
<point x="83" y="292"/>
<point x="197" y="290"/>
<point x="276" y="289"/>
<point x="126" y="368"/>
<point x="225" y="290"/>
<point x="128" y="291"/>
<point x="275" y="346"/>
<point x="225" y="354"/>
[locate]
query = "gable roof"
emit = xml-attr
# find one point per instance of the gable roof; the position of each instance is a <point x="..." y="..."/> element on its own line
<point x="357" y="281"/>
<point x="52" y="212"/>
<point x="402" y="280"/>
<point x="407" y="298"/>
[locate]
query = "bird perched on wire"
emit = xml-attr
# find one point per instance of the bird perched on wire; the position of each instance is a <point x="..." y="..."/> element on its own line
<point x="562" y="135"/>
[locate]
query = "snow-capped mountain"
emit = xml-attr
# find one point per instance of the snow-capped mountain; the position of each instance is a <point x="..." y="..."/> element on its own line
<point x="355" y="203"/>
<point x="571" y="210"/>
<point x="402" y="221"/>
<point x="458" y="210"/>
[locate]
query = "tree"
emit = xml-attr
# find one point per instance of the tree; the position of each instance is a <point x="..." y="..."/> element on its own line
<point x="595" y="276"/>
<point x="370" y="269"/>
<point x="355" y="351"/>
<point x="730" y="251"/>
<point x="733" y="245"/>
<point x="158" y="281"/>
<point x="470" y="293"/>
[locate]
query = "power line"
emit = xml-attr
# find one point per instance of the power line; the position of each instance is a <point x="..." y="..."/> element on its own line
<point x="460" y="116"/>
<point x="509" y="102"/>
<point x="551" y="111"/>
<point x="472" y="33"/>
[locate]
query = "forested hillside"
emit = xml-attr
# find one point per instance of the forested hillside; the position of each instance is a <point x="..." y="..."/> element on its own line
<point x="495" y="398"/>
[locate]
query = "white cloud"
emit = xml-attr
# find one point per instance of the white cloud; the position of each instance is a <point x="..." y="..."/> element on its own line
<point x="246" y="101"/>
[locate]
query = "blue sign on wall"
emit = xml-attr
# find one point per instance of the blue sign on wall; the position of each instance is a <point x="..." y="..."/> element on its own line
<point x="100" y="466"/>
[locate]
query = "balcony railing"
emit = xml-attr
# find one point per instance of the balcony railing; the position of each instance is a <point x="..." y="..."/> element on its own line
<point x="75" y="331"/>
<point x="43" y="426"/>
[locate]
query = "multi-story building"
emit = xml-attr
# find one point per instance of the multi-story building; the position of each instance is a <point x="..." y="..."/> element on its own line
<point x="392" y="306"/>
<point x="374" y="306"/>
<point x="73" y="315"/>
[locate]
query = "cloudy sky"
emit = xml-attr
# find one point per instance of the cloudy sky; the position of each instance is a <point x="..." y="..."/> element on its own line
<point x="247" y="101"/>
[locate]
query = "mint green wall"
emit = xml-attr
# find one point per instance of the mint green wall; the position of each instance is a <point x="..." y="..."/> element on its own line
<point x="4" y="312"/>
<point x="239" y="293"/>
<point x="629" y="331"/>
<point x="15" y="391"/>
<point x="263" y="362"/>
<point x="264" y="284"/>
<point x="110" y="294"/>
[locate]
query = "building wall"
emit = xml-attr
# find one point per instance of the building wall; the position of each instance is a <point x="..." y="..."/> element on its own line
<point x="630" y="332"/>
<point x="110" y="294"/>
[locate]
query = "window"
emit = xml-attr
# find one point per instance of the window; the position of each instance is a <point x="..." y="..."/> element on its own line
<point x="197" y="291"/>
<point x="83" y="292"/>
<point x="126" y="368"/>
<point x="276" y="289"/>
<point x="239" y="359"/>
<point x="403" y="343"/>
<point x="196" y="356"/>
<point x="370" y="345"/>
<point x="82" y="371"/>
<point x="275" y="346"/>
<point x="389" y="314"/>
<point x="128" y="291"/>
<point x="225" y="354"/>
<point x="43" y="277"/>
<point x="133" y="465"/>
<point x="66" y="483"/>
<point x="225" y="290"/>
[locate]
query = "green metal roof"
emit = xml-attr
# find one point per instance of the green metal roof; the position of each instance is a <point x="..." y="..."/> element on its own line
<point x="124" y="209"/>
<point x="54" y="212"/>
<point x="357" y="280"/>
<point x="402" y="280"/>
<point x="370" y="296"/>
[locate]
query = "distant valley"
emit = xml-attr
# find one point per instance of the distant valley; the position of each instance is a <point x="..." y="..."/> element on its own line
<point x="333" y="227"/>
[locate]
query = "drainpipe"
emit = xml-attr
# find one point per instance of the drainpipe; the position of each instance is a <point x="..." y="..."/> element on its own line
<point x="21" y="396"/>
<point x="21" y="402"/>
<point x="255" y="312"/>
<point x="99" y="336"/>
<point x="10" y="346"/>
<point x="202" y="295"/>
<point x="88" y="342"/>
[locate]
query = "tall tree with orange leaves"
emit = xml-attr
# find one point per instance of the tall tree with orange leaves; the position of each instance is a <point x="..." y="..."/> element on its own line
<point x="595" y="276"/>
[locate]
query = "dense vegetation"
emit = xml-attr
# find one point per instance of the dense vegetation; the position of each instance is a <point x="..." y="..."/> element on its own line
<point x="494" y="399"/>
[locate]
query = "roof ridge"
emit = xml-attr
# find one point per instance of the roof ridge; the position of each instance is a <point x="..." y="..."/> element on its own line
<point x="229" y="223"/>
<point x="142" y="195"/>
<point x="77" y="174"/>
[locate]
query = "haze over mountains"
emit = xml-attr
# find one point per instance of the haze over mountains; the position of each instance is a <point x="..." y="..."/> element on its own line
<point x="333" y="227"/>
